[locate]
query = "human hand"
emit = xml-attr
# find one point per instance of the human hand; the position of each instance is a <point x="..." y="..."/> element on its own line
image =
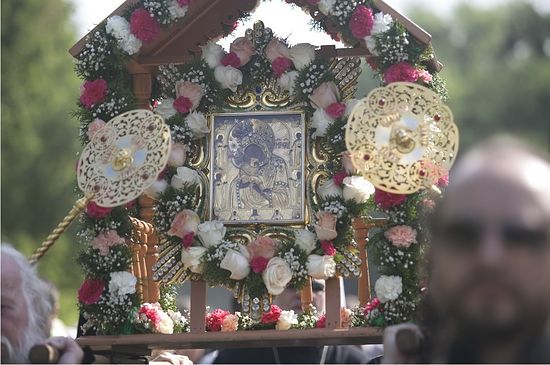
<point x="170" y="357"/>
<point x="397" y="351"/>
<point x="69" y="351"/>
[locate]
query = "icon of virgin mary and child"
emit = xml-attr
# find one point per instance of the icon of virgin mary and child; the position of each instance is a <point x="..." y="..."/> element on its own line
<point x="262" y="179"/>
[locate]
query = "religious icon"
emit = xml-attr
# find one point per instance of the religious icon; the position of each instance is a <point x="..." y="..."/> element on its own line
<point x="257" y="167"/>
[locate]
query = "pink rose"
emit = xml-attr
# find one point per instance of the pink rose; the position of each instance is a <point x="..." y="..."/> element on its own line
<point x="345" y="317"/>
<point x="401" y="236"/>
<point x="326" y="226"/>
<point x="402" y="71"/>
<point x="263" y="246"/>
<point x="184" y="222"/>
<point x="327" y="93"/>
<point x="193" y="92"/>
<point x="95" y="211"/>
<point x="335" y="110"/>
<point x="328" y="248"/>
<point x="231" y="59"/>
<point x="94" y="126"/>
<point x="275" y="48"/>
<point x="93" y="92"/>
<point x="143" y="25"/>
<point x="361" y="22"/>
<point x="105" y="240"/>
<point x="347" y="163"/>
<point x="425" y="76"/>
<point x="243" y="48"/>
<point x="258" y="264"/>
<point x="280" y="65"/>
<point x="230" y="323"/>
<point x="386" y="200"/>
<point x="339" y="177"/>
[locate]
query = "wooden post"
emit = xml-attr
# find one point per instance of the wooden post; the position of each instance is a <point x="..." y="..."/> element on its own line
<point x="142" y="87"/>
<point x="361" y="231"/>
<point x="198" y="306"/>
<point x="146" y="212"/>
<point x="306" y="296"/>
<point x="333" y="303"/>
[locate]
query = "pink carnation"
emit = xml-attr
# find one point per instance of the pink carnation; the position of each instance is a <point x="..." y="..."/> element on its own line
<point x="214" y="320"/>
<point x="402" y="71"/>
<point x="182" y="104"/>
<point x="425" y="76"/>
<point x="105" y="240"/>
<point x="183" y="3"/>
<point x="372" y="305"/>
<point x="93" y="92"/>
<point x="328" y="248"/>
<point x="401" y="236"/>
<point x="151" y="312"/>
<point x="231" y="59"/>
<point x="335" y="110"/>
<point x="187" y="240"/>
<point x="258" y="264"/>
<point x="143" y="25"/>
<point x="95" y="211"/>
<point x="429" y="204"/>
<point x="339" y="177"/>
<point x="272" y="316"/>
<point x="280" y="65"/>
<point x="443" y="180"/>
<point x="361" y="22"/>
<point x="386" y="200"/>
<point x="321" y="322"/>
<point x="90" y="291"/>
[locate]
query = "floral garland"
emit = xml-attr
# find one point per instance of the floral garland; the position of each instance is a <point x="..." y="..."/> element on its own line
<point x="184" y="95"/>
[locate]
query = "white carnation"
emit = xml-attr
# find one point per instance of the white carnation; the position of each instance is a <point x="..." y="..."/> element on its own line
<point x="305" y="239"/>
<point x="320" y="121"/>
<point x="119" y="28"/>
<point x="302" y="55"/>
<point x="370" y="41"/>
<point x="185" y="175"/>
<point x="130" y="44"/>
<point x="197" y="124"/>
<point x="166" y="108"/>
<point x="382" y="23"/>
<point x="156" y="188"/>
<point x="325" y="6"/>
<point x="287" y="81"/>
<point x="229" y="77"/>
<point x="212" y="54"/>
<point x="321" y="267"/>
<point x="357" y="188"/>
<point x="176" y="11"/>
<point x="388" y="288"/>
<point x="329" y="188"/>
<point x="286" y="320"/>
<point x="122" y="283"/>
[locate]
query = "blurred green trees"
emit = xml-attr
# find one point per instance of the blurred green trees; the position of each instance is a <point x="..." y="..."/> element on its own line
<point x="39" y="137"/>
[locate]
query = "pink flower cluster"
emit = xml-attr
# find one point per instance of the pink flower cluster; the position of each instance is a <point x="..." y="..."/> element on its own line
<point x="143" y="25"/>
<point x="93" y="92"/>
<point x="214" y="320"/>
<point x="372" y="305"/>
<point x="328" y="248"/>
<point x="95" y="211"/>
<point x="401" y="236"/>
<point x="272" y="316"/>
<point x="386" y="200"/>
<point x="105" y="240"/>
<point x="406" y="72"/>
<point x="361" y="22"/>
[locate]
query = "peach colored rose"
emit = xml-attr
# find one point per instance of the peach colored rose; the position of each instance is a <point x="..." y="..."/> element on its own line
<point x="401" y="236"/>
<point x="326" y="226"/>
<point x="326" y="94"/>
<point x="345" y="317"/>
<point x="263" y="246"/>
<point x="105" y="240"/>
<point x="243" y="48"/>
<point x="94" y="126"/>
<point x="184" y="222"/>
<point x="275" y="49"/>
<point x="230" y="323"/>
<point x="191" y="91"/>
<point x="347" y="164"/>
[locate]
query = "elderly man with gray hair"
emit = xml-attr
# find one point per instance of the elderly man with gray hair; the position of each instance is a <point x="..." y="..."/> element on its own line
<point x="26" y="310"/>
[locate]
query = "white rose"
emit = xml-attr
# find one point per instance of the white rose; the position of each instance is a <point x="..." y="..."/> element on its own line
<point x="212" y="54"/>
<point x="371" y="43"/>
<point x="211" y="233"/>
<point x="305" y="239"/>
<point x="357" y="188"/>
<point x="178" y="154"/>
<point x="388" y="288"/>
<point x="229" y="77"/>
<point x="276" y="275"/>
<point x="329" y="188"/>
<point x="166" y="108"/>
<point x="302" y="55"/>
<point x="321" y="267"/>
<point x="165" y="324"/>
<point x="185" y="175"/>
<point x="176" y="11"/>
<point x="287" y="81"/>
<point x="350" y="104"/>
<point x="197" y="124"/>
<point x="286" y="320"/>
<point x="325" y="6"/>
<point x="381" y="24"/>
<point x="237" y="263"/>
<point x="320" y="121"/>
<point x="156" y="189"/>
<point x="191" y="258"/>
<point x="122" y="283"/>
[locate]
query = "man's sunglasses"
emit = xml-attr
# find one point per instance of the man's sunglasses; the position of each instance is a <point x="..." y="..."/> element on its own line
<point x="468" y="234"/>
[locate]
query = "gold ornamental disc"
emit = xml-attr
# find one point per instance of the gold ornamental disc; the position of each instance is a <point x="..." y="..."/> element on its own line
<point x="124" y="158"/>
<point x="402" y="138"/>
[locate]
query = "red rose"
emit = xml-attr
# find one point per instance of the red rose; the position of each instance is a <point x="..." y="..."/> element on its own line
<point x="339" y="177"/>
<point x="335" y="110"/>
<point x="90" y="291"/>
<point x="183" y="3"/>
<point x="272" y="316"/>
<point x="215" y="319"/>
<point x="231" y="59"/>
<point x="187" y="240"/>
<point x="361" y="22"/>
<point x="97" y="212"/>
<point x="388" y="200"/>
<point x="328" y="248"/>
<point x="93" y="92"/>
<point x="258" y="264"/>
<point x="280" y="65"/>
<point x="182" y="104"/>
<point x="402" y="71"/>
<point x="143" y="25"/>
<point x="321" y="322"/>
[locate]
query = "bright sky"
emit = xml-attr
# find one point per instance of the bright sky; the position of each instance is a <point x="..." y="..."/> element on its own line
<point x="295" y="25"/>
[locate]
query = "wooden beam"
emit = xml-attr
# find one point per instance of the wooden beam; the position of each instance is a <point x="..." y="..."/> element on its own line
<point x="416" y="31"/>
